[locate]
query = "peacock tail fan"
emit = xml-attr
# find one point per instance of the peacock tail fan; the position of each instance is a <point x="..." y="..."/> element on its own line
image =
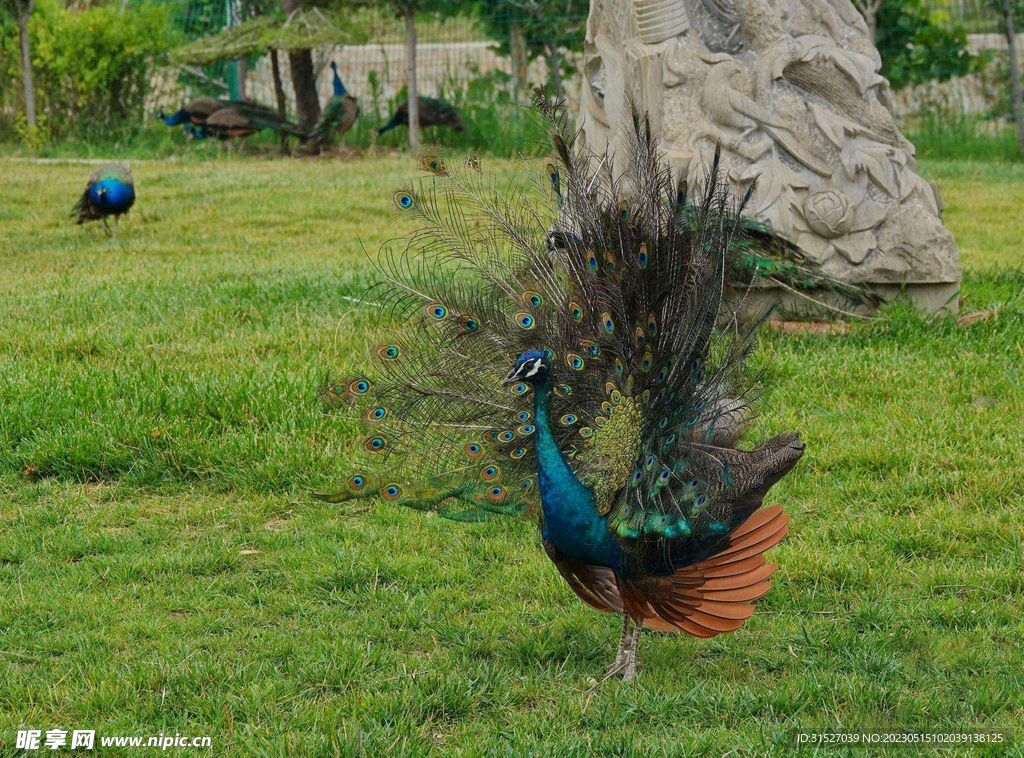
<point x="650" y="392"/>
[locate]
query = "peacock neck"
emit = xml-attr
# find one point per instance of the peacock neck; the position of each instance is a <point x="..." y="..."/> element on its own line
<point x="571" y="520"/>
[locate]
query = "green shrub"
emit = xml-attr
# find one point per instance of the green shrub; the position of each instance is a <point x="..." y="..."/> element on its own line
<point x="92" y="68"/>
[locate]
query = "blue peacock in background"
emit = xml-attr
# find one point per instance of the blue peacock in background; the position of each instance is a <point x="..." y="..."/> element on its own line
<point x="337" y="116"/>
<point x="591" y="384"/>
<point x="109" y="193"/>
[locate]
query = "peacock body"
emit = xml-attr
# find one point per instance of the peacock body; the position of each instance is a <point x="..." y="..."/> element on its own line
<point x="433" y="112"/>
<point x="109" y="192"/>
<point x="588" y="383"/>
<point x="337" y="116"/>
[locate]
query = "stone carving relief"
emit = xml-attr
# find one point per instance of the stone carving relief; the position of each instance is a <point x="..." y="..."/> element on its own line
<point x="790" y="90"/>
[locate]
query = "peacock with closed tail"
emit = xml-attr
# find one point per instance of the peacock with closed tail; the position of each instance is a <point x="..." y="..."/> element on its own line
<point x="433" y="112"/>
<point x="338" y="115"/>
<point x="590" y="385"/>
<point x="109" y="193"/>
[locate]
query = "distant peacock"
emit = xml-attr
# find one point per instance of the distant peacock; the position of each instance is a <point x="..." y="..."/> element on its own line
<point x="228" y="119"/>
<point x="433" y="112"/>
<point x="110" y="192"/>
<point x="338" y="115"/>
<point x="590" y="384"/>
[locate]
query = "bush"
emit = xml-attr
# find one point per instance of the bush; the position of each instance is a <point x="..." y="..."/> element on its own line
<point x="92" y="68"/>
<point x="919" y="45"/>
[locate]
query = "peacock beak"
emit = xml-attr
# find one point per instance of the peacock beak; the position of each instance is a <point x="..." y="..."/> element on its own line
<point x="510" y="377"/>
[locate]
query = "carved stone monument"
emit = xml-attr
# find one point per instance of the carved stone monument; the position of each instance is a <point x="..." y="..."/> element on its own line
<point x="790" y="89"/>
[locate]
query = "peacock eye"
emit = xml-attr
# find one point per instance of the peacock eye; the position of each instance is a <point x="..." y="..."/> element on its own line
<point x="619" y="368"/>
<point x="489" y="473"/>
<point x="518" y="453"/>
<point x="647" y="361"/>
<point x="623" y="211"/>
<point x="469" y="323"/>
<point x="548" y="352"/>
<point x="359" y="387"/>
<point x="692" y="484"/>
<point x="377" y="414"/>
<point x="576" y="311"/>
<point x="506" y="436"/>
<point x="436" y="311"/>
<point x="403" y="200"/>
<point x="533" y="299"/>
<point x="663" y="476"/>
<point x="701" y="500"/>
<point x="526" y="430"/>
<point x="523" y="416"/>
<point x="609" y="324"/>
<point x="496" y="493"/>
<point x="568" y="419"/>
<point x="389" y="352"/>
<point x="375" y="444"/>
<point x="526" y="484"/>
<point x="592" y="261"/>
<point x="574" y="361"/>
<point x="519" y="389"/>
<point x="642" y="256"/>
<point x="356" y="482"/>
<point x="563" y="390"/>
<point x="525" y="320"/>
<point x="392" y="492"/>
<point x="637" y="476"/>
<point x="586" y="431"/>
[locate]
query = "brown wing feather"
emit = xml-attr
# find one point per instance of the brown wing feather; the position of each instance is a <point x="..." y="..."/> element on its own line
<point x="708" y="598"/>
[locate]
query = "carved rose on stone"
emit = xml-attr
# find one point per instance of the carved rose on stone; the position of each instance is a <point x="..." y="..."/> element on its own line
<point x="828" y="213"/>
<point x="832" y="223"/>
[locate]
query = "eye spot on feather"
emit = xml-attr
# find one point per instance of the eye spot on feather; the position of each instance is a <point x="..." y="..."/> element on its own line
<point x="533" y="299"/>
<point x="548" y="352"/>
<point x="568" y="419"/>
<point x="592" y="261"/>
<point x="609" y="323"/>
<point x="647" y="362"/>
<point x="375" y="444"/>
<point x="404" y="200"/>
<point x="436" y="311"/>
<point x="519" y="389"/>
<point x="590" y="347"/>
<point x="609" y="261"/>
<point x="639" y="336"/>
<point x="649" y="463"/>
<point x="662" y="375"/>
<point x="376" y="414"/>
<point x="358" y="386"/>
<point x="701" y="501"/>
<point x="496" y="494"/>
<point x="600" y="420"/>
<point x="636" y="478"/>
<point x="506" y="436"/>
<point x="641" y="257"/>
<point x="525" y="321"/>
<point x="563" y="390"/>
<point x="669" y="442"/>
<point x="576" y="311"/>
<point x="518" y="453"/>
<point x="606" y="407"/>
<point x="586" y="431"/>
<point x="526" y="430"/>
<point x="469" y="323"/>
<point x="490" y="473"/>
<point x="524" y="416"/>
<point x="619" y="368"/>
<point x="623" y="211"/>
<point x="389" y="352"/>
<point x="391" y="492"/>
<point x="616" y="396"/>
<point x="652" y="324"/>
<point x="526" y="485"/>
<point x="357" y="482"/>
<point x="474" y="450"/>
<point x="663" y="477"/>
<point x="574" y="361"/>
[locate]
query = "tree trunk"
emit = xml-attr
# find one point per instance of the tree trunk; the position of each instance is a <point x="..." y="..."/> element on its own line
<point x="410" y="78"/>
<point x="241" y="68"/>
<point x="1018" y="105"/>
<point x="517" y="45"/>
<point x="24" y="12"/>
<point x="307" y="101"/>
<point x="554" y="69"/>
<point x="282" y="103"/>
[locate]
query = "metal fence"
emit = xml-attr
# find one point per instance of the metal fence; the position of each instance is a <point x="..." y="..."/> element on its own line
<point x="469" y="58"/>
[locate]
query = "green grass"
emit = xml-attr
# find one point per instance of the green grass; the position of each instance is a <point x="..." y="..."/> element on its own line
<point x="162" y="568"/>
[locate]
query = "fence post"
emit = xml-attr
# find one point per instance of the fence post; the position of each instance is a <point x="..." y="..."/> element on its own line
<point x="25" y="8"/>
<point x="1011" y="42"/>
<point x="410" y="79"/>
<point x="517" y="46"/>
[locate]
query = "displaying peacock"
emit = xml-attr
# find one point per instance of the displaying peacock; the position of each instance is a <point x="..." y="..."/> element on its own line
<point x="338" y="115"/>
<point x="110" y="192"/>
<point x="588" y="383"/>
<point x="433" y="112"/>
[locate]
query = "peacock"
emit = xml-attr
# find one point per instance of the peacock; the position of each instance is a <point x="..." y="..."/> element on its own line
<point x="589" y="385"/>
<point x="109" y="192"/>
<point x="226" y="119"/>
<point x="433" y="112"/>
<point x="338" y="115"/>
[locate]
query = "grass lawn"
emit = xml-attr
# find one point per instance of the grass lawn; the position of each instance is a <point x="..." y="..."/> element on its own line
<point x="162" y="568"/>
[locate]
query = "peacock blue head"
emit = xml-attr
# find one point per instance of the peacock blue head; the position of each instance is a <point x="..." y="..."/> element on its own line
<point x="176" y="118"/>
<point x="533" y="367"/>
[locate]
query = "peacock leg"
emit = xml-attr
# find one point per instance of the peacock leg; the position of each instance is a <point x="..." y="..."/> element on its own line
<point x="113" y="234"/>
<point x="106" y="226"/>
<point x="620" y="657"/>
<point x="632" y="662"/>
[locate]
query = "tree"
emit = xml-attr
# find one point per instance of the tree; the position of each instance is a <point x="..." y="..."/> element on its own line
<point x="917" y="45"/>
<point x="530" y="29"/>
<point x="1009" y="9"/>
<point x="307" y="102"/>
<point x="22" y="11"/>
